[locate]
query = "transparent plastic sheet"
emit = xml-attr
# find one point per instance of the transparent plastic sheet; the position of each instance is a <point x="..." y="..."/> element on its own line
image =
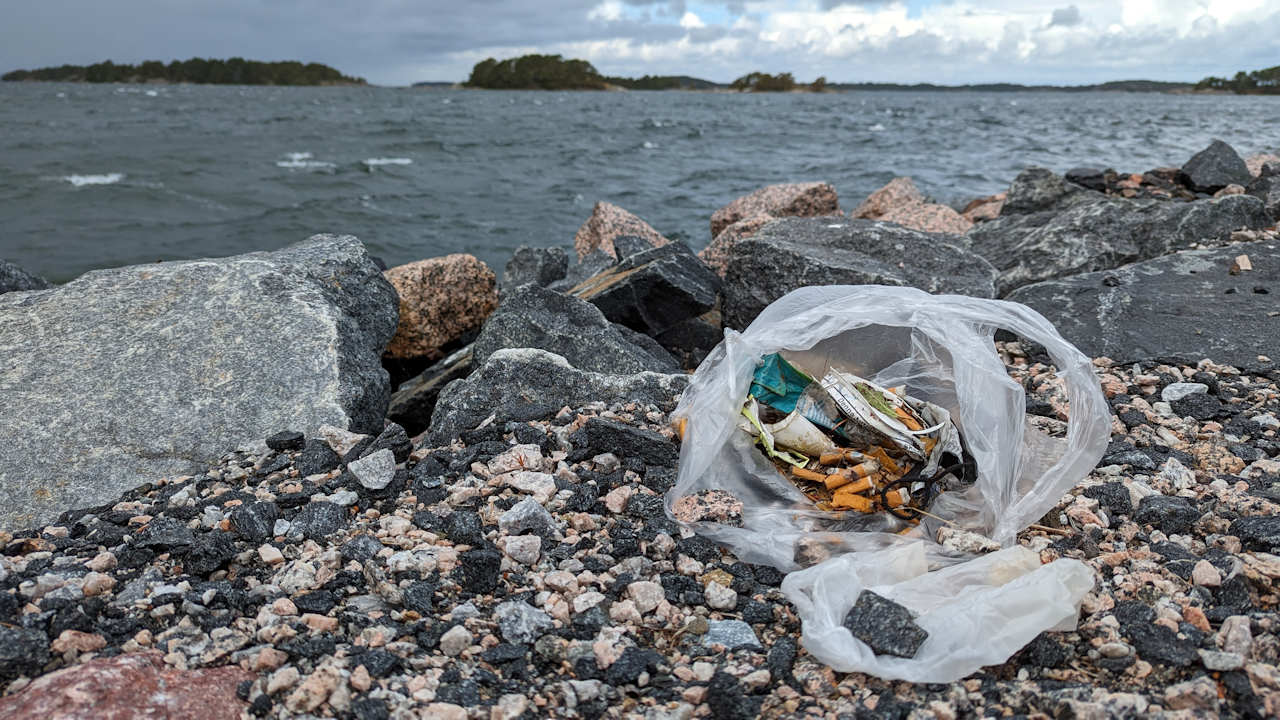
<point x="941" y="348"/>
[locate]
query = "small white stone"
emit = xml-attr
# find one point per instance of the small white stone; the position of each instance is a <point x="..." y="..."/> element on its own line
<point x="606" y="462"/>
<point x="1221" y="661"/>
<point x="1115" y="650"/>
<point x="341" y="441"/>
<point x="587" y="600"/>
<point x="520" y="457"/>
<point x="453" y="642"/>
<point x="270" y="554"/>
<point x="538" y="484"/>
<point x="1174" y="392"/>
<point x="720" y="597"/>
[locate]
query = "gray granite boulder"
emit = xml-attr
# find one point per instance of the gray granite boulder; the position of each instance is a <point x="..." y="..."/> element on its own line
<point x="14" y="278"/>
<point x="1185" y="306"/>
<point x="534" y="317"/>
<point x="524" y="383"/>
<point x="1214" y="168"/>
<point x="1267" y="189"/>
<point x="1038" y="189"/>
<point x="129" y="375"/>
<point x="1104" y="233"/>
<point x="791" y="253"/>
<point x="540" y="266"/>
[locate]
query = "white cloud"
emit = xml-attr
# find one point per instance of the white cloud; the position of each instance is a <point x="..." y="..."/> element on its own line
<point x="690" y="21"/>
<point x="607" y="11"/>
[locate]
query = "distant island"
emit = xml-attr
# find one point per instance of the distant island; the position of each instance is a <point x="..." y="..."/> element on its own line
<point x="1258" y="82"/>
<point x="233" y="71"/>
<point x="553" y="72"/>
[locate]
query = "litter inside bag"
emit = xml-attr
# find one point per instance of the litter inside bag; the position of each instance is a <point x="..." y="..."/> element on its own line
<point x="877" y="446"/>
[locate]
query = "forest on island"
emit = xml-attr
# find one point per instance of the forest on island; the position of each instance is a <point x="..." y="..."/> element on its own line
<point x="233" y="71"/>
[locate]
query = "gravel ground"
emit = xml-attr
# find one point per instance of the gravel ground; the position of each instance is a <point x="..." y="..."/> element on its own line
<point x="529" y="570"/>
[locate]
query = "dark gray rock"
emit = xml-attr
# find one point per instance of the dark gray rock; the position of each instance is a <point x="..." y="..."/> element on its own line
<point x="286" y="440"/>
<point x="1167" y="513"/>
<point x="165" y="535"/>
<point x="791" y="253"/>
<point x="254" y="521"/>
<point x="885" y="626"/>
<point x="320" y="519"/>
<point x="1267" y="189"/>
<point x="1186" y="305"/>
<point x="480" y="570"/>
<point x="661" y="357"/>
<point x="316" y="457"/>
<point x="728" y="701"/>
<point x="534" y="317"/>
<point x="513" y="379"/>
<point x="653" y="290"/>
<point x="1038" y="189"/>
<point x="1091" y="178"/>
<point x="1261" y="532"/>
<point x="15" y="279"/>
<point x="1214" y="168"/>
<point x="162" y="368"/>
<point x="1154" y="643"/>
<point x="394" y="438"/>
<point x="418" y="597"/>
<point x="540" y="266"/>
<point x="23" y="652"/>
<point x="1105" y="233"/>
<point x="414" y="401"/>
<point x="595" y="262"/>
<point x="690" y="342"/>
<point x="210" y="552"/>
<point x="603" y="435"/>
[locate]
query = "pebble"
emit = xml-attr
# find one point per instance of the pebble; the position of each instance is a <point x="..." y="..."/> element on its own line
<point x="524" y="549"/>
<point x="1204" y="573"/>
<point x="455" y="640"/>
<point x="270" y="554"/>
<point x="1174" y="392"/>
<point x="732" y="634"/>
<point x="376" y="470"/>
<point x="720" y="597"/>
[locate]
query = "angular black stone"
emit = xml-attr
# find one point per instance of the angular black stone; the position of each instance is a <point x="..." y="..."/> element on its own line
<point x="254" y="521"/>
<point x="1170" y="514"/>
<point x="885" y="626"/>
<point x="286" y="440"/>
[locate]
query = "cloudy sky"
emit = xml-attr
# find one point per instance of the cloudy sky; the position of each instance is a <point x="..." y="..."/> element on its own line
<point x="402" y="41"/>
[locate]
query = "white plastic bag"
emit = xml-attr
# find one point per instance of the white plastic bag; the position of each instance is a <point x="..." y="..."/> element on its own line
<point x="941" y="347"/>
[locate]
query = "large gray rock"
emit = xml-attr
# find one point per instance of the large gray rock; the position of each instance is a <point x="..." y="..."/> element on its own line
<point x="654" y="289"/>
<point x="128" y="375"/>
<point x="791" y="253"/>
<point x="1214" y="168"/>
<point x="1106" y="233"/>
<point x="534" y="317"/>
<point x="1267" y="189"/>
<point x="14" y="278"/>
<point x="1038" y="189"/>
<point x="525" y="383"/>
<point x="540" y="266"/>
<point x="1186" y="306"/>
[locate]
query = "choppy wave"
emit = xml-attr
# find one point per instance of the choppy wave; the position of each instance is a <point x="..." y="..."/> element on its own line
<point x="104" y="179"/>
<point x="375" y="162"/>
<point x="301" y="160"/>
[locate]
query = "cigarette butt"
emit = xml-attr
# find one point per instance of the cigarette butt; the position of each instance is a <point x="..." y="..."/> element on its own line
<point x="862" y="485"/>
<point x="836" y="480"/>
<point x="809" y="475"/>
<point x="681" y="424"/>
<point x="885" y="461"/>
<point x="845" y="476"/>
<point x="851" y="501"/>
<point x="834" y="458"/>
<point x="897" y="498"/>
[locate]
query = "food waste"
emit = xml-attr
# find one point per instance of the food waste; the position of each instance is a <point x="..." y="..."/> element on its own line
<point x="849" y="444"/>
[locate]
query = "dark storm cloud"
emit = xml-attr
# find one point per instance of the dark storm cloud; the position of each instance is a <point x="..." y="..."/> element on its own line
<point x="1065" y="17"/>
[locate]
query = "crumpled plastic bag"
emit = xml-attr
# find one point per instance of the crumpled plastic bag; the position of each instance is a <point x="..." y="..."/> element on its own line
<point x="941" y="348"/>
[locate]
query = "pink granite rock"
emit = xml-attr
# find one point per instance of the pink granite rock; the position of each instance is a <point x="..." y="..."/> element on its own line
<point x="1257" y="160"/>
<point x="902" y="202"/>
<point x="983" y="209"/>
<point x="900" y="192"/>
<point x="137" y="685"/>
<point x="608" y="221"/>
<point x="441" y="299"/>
<point x="809" y="199"/>
<point x="928" y="217"/>
<point x="716" y="255"/>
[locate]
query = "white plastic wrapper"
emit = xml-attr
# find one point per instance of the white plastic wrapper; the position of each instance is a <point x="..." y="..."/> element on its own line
<point x="941" y="348"/>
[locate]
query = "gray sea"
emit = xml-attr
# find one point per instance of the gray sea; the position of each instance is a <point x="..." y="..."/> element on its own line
<point x="102" y="175"/>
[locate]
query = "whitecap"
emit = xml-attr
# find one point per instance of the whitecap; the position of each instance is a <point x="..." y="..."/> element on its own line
<point x="82" y="180"/>
<point x="374" y="162"/>
<point x="152" y="93"/>
<point x="62" y="95"/>
<point x="303" y="164"/>
<point x="649" y="146"/>
<point x="299" y="155"/>
<point x="876" y="128"/>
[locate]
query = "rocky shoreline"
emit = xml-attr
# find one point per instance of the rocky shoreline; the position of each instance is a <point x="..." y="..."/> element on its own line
<point x="212" y="489"/>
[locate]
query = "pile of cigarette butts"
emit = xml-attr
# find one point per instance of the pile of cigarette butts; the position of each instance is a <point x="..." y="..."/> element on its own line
<point x="849" y="444"/>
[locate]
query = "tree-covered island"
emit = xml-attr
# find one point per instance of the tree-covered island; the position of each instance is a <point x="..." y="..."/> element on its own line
<point x="233" y="71"/>
<point x="1258" y="82"/>
<point x="553" y="72"/>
